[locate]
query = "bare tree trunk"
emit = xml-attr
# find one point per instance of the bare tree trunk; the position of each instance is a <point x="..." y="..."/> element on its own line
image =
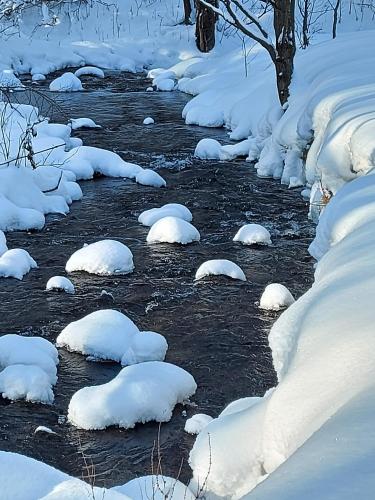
<point x="284" y="25"/>
<point x="305" y="24"/>
<point x="205" y="26"/>
<point x="335" y="18"/>
<point x="187" y="12"/>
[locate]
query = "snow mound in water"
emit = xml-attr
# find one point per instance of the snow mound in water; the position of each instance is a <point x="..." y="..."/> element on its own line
<point x="38" y="77"/>
<point x="9" y="80"/>
<point x="173" y="230"/>
<point x="148" y="121"/>
<point x="210" y="149"/>
<point x="165" y="84"/>
<point x="155" y="488"/>
<point x="78" y="123"/>
<point x="67" y="82"/>
<point x="109" y="334"/>
<point x="253" y="234"/>
<point x="3" y="243"/>
<point x="161" y="386"/>
<point x="148" y="177"/>
<point x="74" y="489"/>
<point x="149" y="217"/>
<point x="276" y="297"/>
<point x="89" y="71"/>
<point x="104" y="258"/>
<point x="218" y="267"/>
<point x="85" y="161"/>
<point x="16" y="263"/>
<point x="26" y="382"/>
<point x="196" y="423"/>
<point x="28" y="367"/>
<point x="60" y="283"/>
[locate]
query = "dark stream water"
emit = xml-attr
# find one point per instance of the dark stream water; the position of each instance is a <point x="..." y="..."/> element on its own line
<point x="214" y="327"/>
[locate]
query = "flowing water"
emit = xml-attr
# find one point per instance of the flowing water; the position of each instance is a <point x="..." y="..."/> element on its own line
<point x="214" y="327"/>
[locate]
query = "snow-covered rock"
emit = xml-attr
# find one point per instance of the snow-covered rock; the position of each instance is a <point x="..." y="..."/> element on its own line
<point x="276" y="297"/>
<point x="8" y="80"/>
<point x="149" y="217"/>
<point x="196" y="423"/>
<point x="162" y="386"/>
<point x="60" y="283"/>
<point x="222" y="267"/>
<point x="210" y="149"/>
<point x="78" y="123"/>
<point x="28" y="367"/>
<point x="165" y="84"/>
<point x="172" y="230"/>
<point x="16" y="263"/>
<point x="148" y="121"/>
<point x="148" y="177"/>
<point x="104" y="257"/>
<point x="110" y="335"/>
<point x="89" y="71"/>
<point x="38" y="77"/>
<point x="155" y="487"/>
<point x="67" y="82"/>
<point x="149" y="89"/>
<point x="253" y="234"/>
<point x="3" y="243"/>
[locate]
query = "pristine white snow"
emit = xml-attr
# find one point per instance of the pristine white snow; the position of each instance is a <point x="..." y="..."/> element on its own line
<point x="104" y="257"/>
<point x="3" y="243"/>
<point x="172" y="230"/>
<point x="9" y="80"/>
<point x="196" y="423"/>
<point x="156" y="487"/>
<point x="148" y="177"/>
<point x="89" y="71"/>
<point x="78" y="123"/>
<point x="68" y="82"/>
<point x="149" y="217"/>
<point x="220" y="267"/>
<point x="110" y="335"/>
<point x="162" y="386"/>
<point x="27" y="368"/>
<point x="164" y="84"/>
<point x="210" y="149"/>
<point x="16" y="263"/>
<point x="60" y="283"/>
<point x="38" y="77"/>
<point x="276" y="297"/>
<point x="148" y="121"/>
<point x="253" y="234"/>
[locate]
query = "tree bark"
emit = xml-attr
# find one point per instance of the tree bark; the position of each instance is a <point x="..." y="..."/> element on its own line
<point x="335" y="18"/>
<point x="187" y="12"/>
<point x="205" y="26"/>
<point x="284" y="26"/>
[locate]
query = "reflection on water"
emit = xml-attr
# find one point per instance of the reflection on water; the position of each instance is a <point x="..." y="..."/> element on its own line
<point x="213" y="327"/>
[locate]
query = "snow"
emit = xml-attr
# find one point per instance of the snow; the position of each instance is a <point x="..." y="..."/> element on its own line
<point x="28" y="367"/>
<point x="8" y="80"/>
<point x="196" y="423"/>
<point x="60" y="283"/>
<point x="148" y="177"/>
<point x="276" y="297"/>
<point x="22" y="477"/>
<point x="38" y="77"/>
<point x="105" y="257"/>
<point x="110" y="335"/>
<point x="43" y="428"/>
<point x="220" y="267"/>
<point x="89" y="71"/>
<point x="3" y="243"/>
<point x="210" y="149"/>
<point x="148" y="121"/>
<point x="172" y="230"/>
<point x="161" y="385"/>
<point x="253" y="234"/>
<point x="78" y="123"/>
<point x="16" y="263"/>
<point x="165" y="84"/>
<point x="67" y="82"/>
<point x="155" y="487"/>
<point x="149" y="217"/>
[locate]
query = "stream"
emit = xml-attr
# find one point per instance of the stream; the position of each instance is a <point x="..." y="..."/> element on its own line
<point x="214" y="327"/>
